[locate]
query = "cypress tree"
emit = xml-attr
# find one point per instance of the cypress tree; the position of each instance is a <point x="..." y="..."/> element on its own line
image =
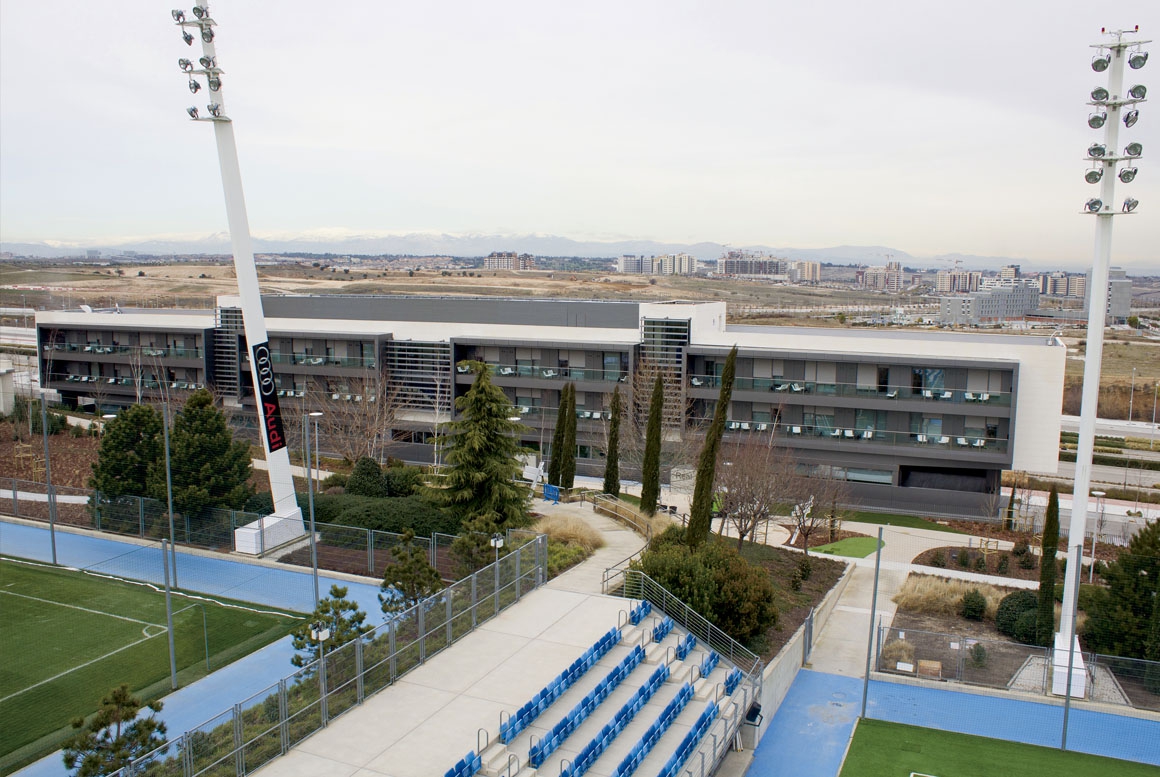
<point x="558" y="438"/>
<point x="612" y="460"/>
<point x="650" y="477"/>
<point x="568" y="455"/>
<point x="1045" y="615"/>
<point x="1009" y="523"/>
<point x="701" y="512"/>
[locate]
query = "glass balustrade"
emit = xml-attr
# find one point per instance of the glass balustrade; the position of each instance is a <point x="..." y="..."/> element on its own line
<point x="794" y="387"/>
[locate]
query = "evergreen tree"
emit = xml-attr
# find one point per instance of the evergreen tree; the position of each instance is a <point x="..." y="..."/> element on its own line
<point x="612" y="459"/>
<point x="1120" y="615"/>
<point x="1152" y="648"/>
<point x="209" y="468"/>
<point x="558" y="432"/>
<point x="130" y="445"/>
<point x="650" y="477"/>
<point x="340" y="616"/>
<point x="1045" y="614"/>
<point x="1009" y="523"/>
<point x="366" y="479"/>
<point x="568" y="457"/>
<point x="701" y="511"/>
<point x="410" y="579"/>
<point x="115" y="735"/>
<point x="479" y="486"/>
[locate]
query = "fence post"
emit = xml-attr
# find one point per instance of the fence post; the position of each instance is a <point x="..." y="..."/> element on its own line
<point x="239" y="753"/>
<point x="474" y="597"/>
<point x="322" y="691"/>
<point x="15" y="498"/>
<point x="519" y="554"/>
<point x="431" y="550"/>
<point x="358" y="669"/>
<point x="140" y="517"/>
<point x="283" y="715"/>
<point x="449" y="594"/>
<point x="371" y="551"/>
<point x="186" y="754"/>
<point x="391" y="647"/>
<point x="422" y="634"/>
<point x="497" y="586"/>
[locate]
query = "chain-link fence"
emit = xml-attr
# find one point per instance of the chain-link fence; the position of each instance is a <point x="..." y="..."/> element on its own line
<point x="255" y="731"/>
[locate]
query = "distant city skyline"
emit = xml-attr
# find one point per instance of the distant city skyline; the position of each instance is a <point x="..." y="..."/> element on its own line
<point x="939" y="128"/>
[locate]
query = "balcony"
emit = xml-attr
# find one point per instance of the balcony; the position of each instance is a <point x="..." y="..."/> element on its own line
<point x="540" y="372"/>
<point x="813" y="388"/>
<point x="311" y="360"/>
<point x="867" y="437"/>
<point x="97" y="381"/>
<point x="148" y="352"/>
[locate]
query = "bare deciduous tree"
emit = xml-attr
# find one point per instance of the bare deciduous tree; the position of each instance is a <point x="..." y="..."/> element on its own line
<point x="754" y="481"/>
<point x="357" y="414"/>
<point x="832" y="502"/>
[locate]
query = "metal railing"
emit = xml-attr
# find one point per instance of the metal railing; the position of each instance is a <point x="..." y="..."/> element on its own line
<point x="621" y="512"/>
<point x="253" y="732"/>
<point x="835" y="389"/>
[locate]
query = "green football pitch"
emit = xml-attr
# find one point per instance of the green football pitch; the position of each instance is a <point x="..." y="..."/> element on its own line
<point x="67" y="638"/>
<point x="881" y="749"/>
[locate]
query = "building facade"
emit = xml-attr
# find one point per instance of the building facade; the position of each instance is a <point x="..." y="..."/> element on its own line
<point x="1003" y="300"/>
<point x="912" y="420"/>
<point x="509" y="260"/>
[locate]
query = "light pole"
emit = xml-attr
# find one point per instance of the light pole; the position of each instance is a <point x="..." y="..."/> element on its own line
<point x="310" y="495"/>
<point x="1131" y="393"/>
<point x="169" y="487"/>
<point x="320" y="632"/>
<point x="49" y="491"/>
<point x="1112" y="105"/>
<point x="1099" y="495"/>
<point x="1152" y="435"/>
<point x="497" y="543"/>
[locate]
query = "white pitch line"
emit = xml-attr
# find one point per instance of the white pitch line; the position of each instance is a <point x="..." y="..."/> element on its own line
<point x="82" y="609"/>
<point x="82" y="666"/>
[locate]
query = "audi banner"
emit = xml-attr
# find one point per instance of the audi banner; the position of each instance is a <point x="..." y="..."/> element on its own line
<point x="268" y="398"/>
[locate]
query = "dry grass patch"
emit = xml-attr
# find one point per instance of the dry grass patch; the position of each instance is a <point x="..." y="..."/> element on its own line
<point x="929" y="595"/>
<point x="570" y="530"/>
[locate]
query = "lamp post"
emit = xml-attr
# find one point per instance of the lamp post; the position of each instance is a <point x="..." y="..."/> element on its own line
<point x="497" y="543"/>
<point x="1152" y="436"/>
<point x="1112" y="105"/>
<point x="49" y="491"/>
<point x="1131" y="393"/>
<point x="320" y="632"/>
<point x="169" y="487"/>
<point x="1099" y="495"/>
<point x="310" y="495"/>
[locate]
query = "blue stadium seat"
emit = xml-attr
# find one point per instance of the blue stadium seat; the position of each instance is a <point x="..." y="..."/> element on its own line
<point x="732" y="680"/>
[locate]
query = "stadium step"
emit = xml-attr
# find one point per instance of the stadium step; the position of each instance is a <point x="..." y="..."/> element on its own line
<point x="702" y="689"/>
<point x="495" y="759"/>
<point x="680" y="671"/>
<point x="657" y="653"/>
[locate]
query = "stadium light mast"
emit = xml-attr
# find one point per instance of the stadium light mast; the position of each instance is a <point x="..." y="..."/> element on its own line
<point x="1112" y="105"/>
<point x="254" y="322"/>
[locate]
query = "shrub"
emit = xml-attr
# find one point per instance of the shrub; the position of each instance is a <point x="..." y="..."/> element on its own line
<point x="929" y="595"/>
<point x="1021" y="549"/>
<point x="805" y="567"/>
<point x="964" y="558"/>
<point x="1012" y="608"/>
<point x="570" y="530"/>
<point x="977" y="655"/>
<point x="337" y="480"/>
<point x="402" y="480"/>
<point x="366" y="479"/>
<point x="973" y="605"/>
<point x="1004" y="564"/>
<point x="563" y="556"/>
<point x="1027" y="561"/>
<point x="981" y="564"/>
<point x="898" y="650"/>
<point x="939" y="559"/>
<point x="1025" y="627"/>
<point x="391" y="514"/>
<point x="795" y="579"/>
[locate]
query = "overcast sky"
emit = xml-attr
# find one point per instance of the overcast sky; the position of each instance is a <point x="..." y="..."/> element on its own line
<point x="929" y="126"/>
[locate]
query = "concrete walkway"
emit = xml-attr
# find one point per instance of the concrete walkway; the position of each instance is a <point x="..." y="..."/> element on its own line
<point x="620" y="542"/>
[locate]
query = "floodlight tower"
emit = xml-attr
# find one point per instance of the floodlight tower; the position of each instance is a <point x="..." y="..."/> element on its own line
<point x="1112" y="105"/>
<point x="261" y="364"/>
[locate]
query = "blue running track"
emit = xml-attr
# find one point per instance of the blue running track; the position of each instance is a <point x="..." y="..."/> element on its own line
<point x="809" y="733"/>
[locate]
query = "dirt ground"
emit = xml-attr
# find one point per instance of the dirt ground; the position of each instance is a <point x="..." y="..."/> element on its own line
<point x="820" y="537"/>
<point x="22" y="456"/>
<point x="949" y="555"/>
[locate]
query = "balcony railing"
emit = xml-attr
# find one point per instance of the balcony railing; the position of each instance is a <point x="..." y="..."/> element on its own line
<point x="145" y="351"/>
<point x="535" y="411"/>
<point x="793" y="387"/>
<point x="858" y="437"/>
<point x="311" y="360"/>
<point x="552" y="373"/>
<point x="99" y="380"/>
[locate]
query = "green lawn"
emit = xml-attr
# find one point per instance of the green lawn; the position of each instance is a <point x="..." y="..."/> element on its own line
<point x="881" y="749"/>
<point x="851" y="547"/>
<point x="68" y="638"/>
<point x="909" y="521"/>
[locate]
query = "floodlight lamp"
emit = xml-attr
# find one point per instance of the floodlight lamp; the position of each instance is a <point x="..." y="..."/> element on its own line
<point x="207" y="34"/>
<point x="1100" y="64"/>
<point x="187" y="38"/>
<point x="194" y="86"/>
<point x="185" y="65"/>
<point x="1099" y="94"/>
<point x="178" y="15"/>
<point x="1094" y="175"/>
<point x="200" y="11"/>
<point x="1129" y="205"/>
<point x="192" y="111"/>
<point x="215" y="83"/>
<point x="1138" y="92"/>
<point x="208" y="63"/>
<point x="1138" y="59"/>
<point x="1096" y="120"/>
<point x="1097" y="150"/>
<point x="1128" y="174"/>
<point x="215" y="110"/>
<point x="1133" y="149"/>
<point x="1131" y="117"/>
<point x="1093" y="205"/>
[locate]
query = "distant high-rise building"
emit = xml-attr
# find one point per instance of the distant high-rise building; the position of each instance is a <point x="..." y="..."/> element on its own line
<point x="1119" y="295"/>
<point x="509" y="260"/>
<point x="92" y="253"/>
<point x="1002" y="301"/>
<point x="1010" y="272"/>
<point x="633" y="264"/>
<point x="961" y="281"/>
<point x="888" y="278"/>
<point x="668" y="264"/>
<point x="745" y="264"/>
<point x="805" y="272"/>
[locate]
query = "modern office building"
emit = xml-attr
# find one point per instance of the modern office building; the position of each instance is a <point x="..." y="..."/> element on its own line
<point x="1119" y="296"/>
<point x="746" y="265"/>
<point x="915" y="419"/>
<point x="509" y="260"/>
<point x="668" y="264"/>
<point x="1002" y="300"/>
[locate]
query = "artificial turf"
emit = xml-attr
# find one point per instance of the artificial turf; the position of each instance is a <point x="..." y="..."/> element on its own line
<point x="908" y="521"/>
<point x="851" y="547"/>
<point x="69" y="637"/>
<point x="881" y="749"/>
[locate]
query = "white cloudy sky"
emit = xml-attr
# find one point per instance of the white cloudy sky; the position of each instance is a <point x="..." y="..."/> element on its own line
<point x="927" y="125"/>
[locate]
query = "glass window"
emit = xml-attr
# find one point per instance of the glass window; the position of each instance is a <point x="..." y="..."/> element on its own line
<point x="857" y="475"/>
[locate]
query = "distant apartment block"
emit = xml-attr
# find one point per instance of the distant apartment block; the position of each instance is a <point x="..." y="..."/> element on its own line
<point x="805" y="272"/>
<point x="744" y="264"/>
<point x="888" y="278"/>
<point x="509" y="260"/>
<point x="957" y="281"/>
<point x="1119" y="296"/>
<point x="1009" y="272"/>
<point x="1003" y="300"/>
<point x="1062" y="284"/>
<point x="668" y="264"/>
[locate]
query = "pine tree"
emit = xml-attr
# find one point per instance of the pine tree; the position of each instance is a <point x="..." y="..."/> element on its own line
<point x="701" y="511"/>
<point x="612" y="459"/>
<point x="130" y="445"/>
<point x="336" y="613"/>
<point x="1045" y="615"/>
<point x="650" y="477"/>
<point x="410" y="579"/>
<point x="479" y="487"/>
<point x="366" y="479"/>
<point x="558" y="432"/>
<point x="568" y="455"/>
<point x="115" y="735"/>
<point x="210" y="468"/>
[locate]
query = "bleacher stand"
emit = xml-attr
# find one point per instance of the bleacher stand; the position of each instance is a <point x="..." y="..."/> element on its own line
<point x="642" y="748"/>
<point x="673" y="766"/>
<point x="467" y="766"/>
